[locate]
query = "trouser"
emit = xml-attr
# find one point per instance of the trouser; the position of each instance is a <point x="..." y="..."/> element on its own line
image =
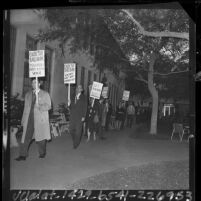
<point x="129" y="120"/>
<point x="85" y="128"/>
<point x="122" y="123"/>
<point x="24" y="147"/>
<point x="100" y="130"/>
<point x="76" y="132"/>
<point x="118" y="124"/>
<point x="107" y="123"/>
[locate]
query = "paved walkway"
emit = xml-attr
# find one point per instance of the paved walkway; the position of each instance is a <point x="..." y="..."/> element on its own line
<point x="64" y="165"/>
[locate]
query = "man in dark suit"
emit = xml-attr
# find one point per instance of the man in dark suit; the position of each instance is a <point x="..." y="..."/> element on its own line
<point x="78" y="109"/>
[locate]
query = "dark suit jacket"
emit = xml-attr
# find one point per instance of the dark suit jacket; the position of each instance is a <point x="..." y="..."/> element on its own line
<point x="78" y="109"/>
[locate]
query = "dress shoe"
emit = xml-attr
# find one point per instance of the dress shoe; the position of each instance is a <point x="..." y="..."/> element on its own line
<point x="21" y="158"/>
<point x="75" y="146"/>
<point x="42" y="156"/>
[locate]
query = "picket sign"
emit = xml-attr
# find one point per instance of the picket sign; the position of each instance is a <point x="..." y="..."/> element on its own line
<point x="37" y="66"/>
<point x="126" y="95"/>
<point x="69" y="76"/>
<point x="90" y="87"/>
<point x="96" y="91"/>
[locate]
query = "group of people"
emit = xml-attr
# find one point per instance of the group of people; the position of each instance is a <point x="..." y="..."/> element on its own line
<point x="101" y="116"/>
<point x="88" y="116"/>
<point x="124" y="111"/>
<point x="97" y="117"/>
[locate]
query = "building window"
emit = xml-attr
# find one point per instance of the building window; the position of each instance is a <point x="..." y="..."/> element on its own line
<point x="12" y="49"/>
<point x="111" y="93"/>
<point x="82" y="76"/>
<point x="89" y="81"/>
<point x="31" y="44"/>
<point x="89" y="77"/>
<point x="95" y="77"/>
<point x="48" y="67"/>
<point x="115" y="96"/>
<point x="168" y="109"/>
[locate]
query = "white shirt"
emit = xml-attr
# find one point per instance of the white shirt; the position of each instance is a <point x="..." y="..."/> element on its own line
<point x="77" y="97"/>
<point x="34" y="91"/>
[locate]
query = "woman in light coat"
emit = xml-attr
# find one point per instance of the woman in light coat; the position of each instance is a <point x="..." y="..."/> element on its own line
<point x="35" y="121"/>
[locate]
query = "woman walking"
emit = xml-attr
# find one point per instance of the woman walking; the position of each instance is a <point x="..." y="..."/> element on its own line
<point x="119" y="116"/>
<point x="92" y="118"/>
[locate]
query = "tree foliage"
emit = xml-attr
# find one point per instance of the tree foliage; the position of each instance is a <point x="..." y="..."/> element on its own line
<point x="85" y="30"/>
<point x="91" y="29"/>
<point x="172" y="52"/>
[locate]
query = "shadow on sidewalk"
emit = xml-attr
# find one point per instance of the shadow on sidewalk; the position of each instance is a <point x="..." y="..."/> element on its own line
<point x="141" y="131"/>
<point x="164" y="175"/>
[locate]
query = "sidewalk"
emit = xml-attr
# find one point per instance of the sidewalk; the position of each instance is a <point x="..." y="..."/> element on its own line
<point x="64" y="166"/>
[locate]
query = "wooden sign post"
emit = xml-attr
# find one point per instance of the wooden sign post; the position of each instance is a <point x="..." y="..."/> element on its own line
<point x="36" y="90"/>
<point x="69" y="94"/>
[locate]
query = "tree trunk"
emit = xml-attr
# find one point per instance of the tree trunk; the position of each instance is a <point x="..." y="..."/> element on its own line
<point x="154" y="94"/>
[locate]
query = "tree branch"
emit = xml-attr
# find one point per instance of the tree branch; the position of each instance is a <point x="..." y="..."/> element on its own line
<point x="156" y="34"/>
<point x="166" y="74"/>
<point x="133" y="70"/>
<point x="119" y="56"/>
<point x="140" y="78"/>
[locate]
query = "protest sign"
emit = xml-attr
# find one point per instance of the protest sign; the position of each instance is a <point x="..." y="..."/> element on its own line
<point x="69" y="76"/>
<point x="126" y="95"/>
<point x="96" y="90"/>
<point x="69" y="73"/>
<point x="37" y="63"/>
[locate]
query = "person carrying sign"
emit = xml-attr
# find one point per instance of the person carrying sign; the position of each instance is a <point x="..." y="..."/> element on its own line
<point x="130" y="114"/>
<point x="35" y="121"/>
<point x="78" y="109"/>
<point x="102" y="117"/>
<point x="119" y="116"/>
<point x="93" y="118"/>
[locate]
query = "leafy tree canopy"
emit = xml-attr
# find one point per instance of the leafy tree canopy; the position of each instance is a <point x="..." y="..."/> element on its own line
<point x="84" y="29"/>
<point x="137" y="31"/>
<point x="133" y="29"/>
<point x="135" y="44"/>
